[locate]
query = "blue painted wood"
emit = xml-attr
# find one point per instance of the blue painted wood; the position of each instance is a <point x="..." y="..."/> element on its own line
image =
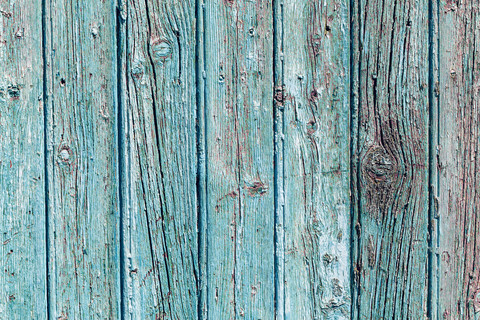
<point x="316" y="160"/>
<point x="22" y="176"/>
<point x="239" y="152"/>
<point x="391" y="154"/>
<point x="159" y="114"/>
<point x="81" y="153"/>
<point x="237" y="159"/>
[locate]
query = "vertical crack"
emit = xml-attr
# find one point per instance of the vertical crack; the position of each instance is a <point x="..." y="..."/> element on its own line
<point x="352" y="165"/>
<point x="201" y="158"/>
<point x="278" y="161"/>
<point x="431" y="163"/>
<point x="45" y="158"/>
<point x="120" y="155"/>
<point x="355" y="124"/>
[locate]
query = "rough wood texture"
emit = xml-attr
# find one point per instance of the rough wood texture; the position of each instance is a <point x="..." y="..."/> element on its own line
<point x="459" y="124"/>
<point x="390" y="177"/>
<point x="316" y="159"/>
<point x="239" y="133"/>
<point x="82" y="188"/>
<point x="239" y="159"/>
<point x="22" y="178"/>
<point x="160" y="141"/>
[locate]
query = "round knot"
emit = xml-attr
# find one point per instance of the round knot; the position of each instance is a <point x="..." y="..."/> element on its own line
<point x="65" y="154"/>
<point x="137" y="69"/>
<point x="162" y="50"/>
<point x="378" y="165"/>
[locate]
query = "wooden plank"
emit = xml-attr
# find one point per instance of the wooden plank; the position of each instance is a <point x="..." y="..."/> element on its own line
<point x="458" y="183"/>
<point x="83" y="220"/>
<point x="22" y="175"/>
<point x="316" y="147"/>
<point x="161" y="164"/>
<point x="390" y="177"/>
<point x="240" y="184"/>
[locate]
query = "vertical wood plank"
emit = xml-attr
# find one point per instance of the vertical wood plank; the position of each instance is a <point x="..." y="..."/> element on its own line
<point x="240" y="184"/>
<point x="391" y="171"/>
<point x="22" y="176"/>
<point x="316" y="158"/>
<point x="160" y="137"/>
<point x="82" y="187"/>
<point x="459" y="120"/>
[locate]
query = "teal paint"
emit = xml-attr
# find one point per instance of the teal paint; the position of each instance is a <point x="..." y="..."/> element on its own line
<point x="81" y="154"/>
<point x="205" y="159"/>
<point x="316" y="159"/>
<point x="22" y="175"/>
<point x="239" y="133"/>
<point x="390" y="132"/>
<point x="161" y="205"/>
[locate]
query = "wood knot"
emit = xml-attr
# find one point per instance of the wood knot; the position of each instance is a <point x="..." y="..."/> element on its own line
<point x="279" y="96"/>
<point x="65" y="154"/>
<point x="94" y="31"/>
<point x="379" y="177"/>
<point x="13" y="92"/>
<point x="137" y="69"/>
<point x="311" y="127"/>
<point x="162" y="50"/>
<point x="378" y="165"/>
<point x="257" y="188"/>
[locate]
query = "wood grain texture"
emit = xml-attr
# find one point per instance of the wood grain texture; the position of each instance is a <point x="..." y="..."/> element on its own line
<point x="239" y="133"/>
<point x="316" y="148"/>
<point x="83" y="219"/>
<point x="239" y="159"/>
<point x="458" y="163"/>
<point x="390" y="186"/>
<point x="160" y="136"/>
<point x="22" y="176"/>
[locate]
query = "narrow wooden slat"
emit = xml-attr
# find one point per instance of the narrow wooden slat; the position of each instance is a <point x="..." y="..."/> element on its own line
<point x="202" y="229"/>
<point x="22" y="177"/>
<point x="316" y="159"/>
<point x="160" y="137"/>
<point x="240" y="184"/>
<point x="391" y="173"/>
<point x="458" y="164"/>
<point x="83" y="219"/>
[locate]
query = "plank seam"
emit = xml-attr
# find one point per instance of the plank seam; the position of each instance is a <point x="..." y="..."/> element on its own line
<point x="352" y="169"/>
<point x="45" y="158"/>
<point x="355" y="109"/>
<point x="279" y="173"/>
<point x="201" y="175"/>
<point x="432" y="272"/>
<point x="438" y="176"/>
<point x="120" y="157"/>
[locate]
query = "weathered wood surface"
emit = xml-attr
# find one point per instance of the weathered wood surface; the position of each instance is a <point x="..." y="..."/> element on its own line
<point x="458" y="163"/>
<point x="81" y="153"/>
<point x="239" y="159"/>
<point x="391" y="159"/>
<point x="160" y="217"/>
<point x="316" y="160"/>
<point x="22" y="176"/>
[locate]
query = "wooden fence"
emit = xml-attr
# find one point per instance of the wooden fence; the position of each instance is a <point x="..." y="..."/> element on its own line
<point x="239" y="159"/>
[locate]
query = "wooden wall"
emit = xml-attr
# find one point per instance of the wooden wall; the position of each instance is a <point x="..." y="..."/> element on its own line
<point x="239" y="159"/>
